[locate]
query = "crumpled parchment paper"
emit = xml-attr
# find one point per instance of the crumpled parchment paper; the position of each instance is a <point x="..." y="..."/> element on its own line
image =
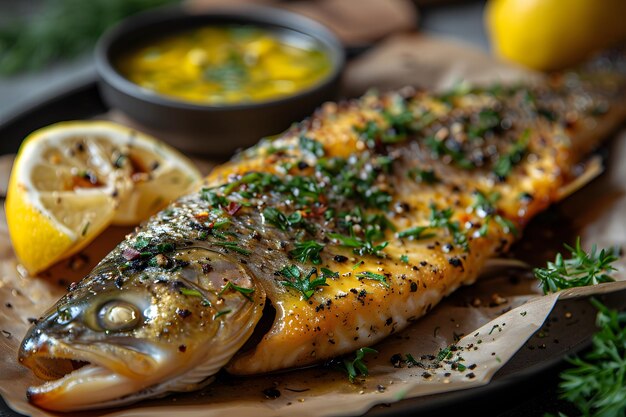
<point x="488" y="332"/>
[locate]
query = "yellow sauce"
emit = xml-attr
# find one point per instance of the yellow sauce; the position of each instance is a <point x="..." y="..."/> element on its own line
<point x="226" y="65"/>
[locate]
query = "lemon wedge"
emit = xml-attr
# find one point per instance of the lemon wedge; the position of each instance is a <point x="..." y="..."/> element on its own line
<point x="73" y="179"/>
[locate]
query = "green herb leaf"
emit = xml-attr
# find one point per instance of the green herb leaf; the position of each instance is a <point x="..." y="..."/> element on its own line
<point x="416" y="233"/>
<point x="308" y="251"/>
<point x="141" y="242"/>
<point x="234" y="246"/>
<point x="360" y="246"/>
<point x="221" y="313"/>
<point x="506" y="162"/>
<point x="581" y="270"/>
<point x="355" y="367"/>
<point x="311" y="146"/>
<point x="192" y="292"/>
<point x="276" y="218"/>
<point x="596" y="383"/>
<point x="376" y="277"/>
<point x="242" y="290"/>
<point x="440" y="148"/>
<point x="304" y="284"/>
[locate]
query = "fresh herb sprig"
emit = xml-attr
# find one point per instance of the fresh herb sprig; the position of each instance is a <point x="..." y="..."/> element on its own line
<point x="596" y="383"/>
<point x="581" y="270"/>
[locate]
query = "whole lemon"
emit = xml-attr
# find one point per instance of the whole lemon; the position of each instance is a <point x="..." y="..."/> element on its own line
<point x="553" y="34"/>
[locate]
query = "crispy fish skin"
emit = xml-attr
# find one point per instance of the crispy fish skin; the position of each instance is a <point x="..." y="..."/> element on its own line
<point x="348" y="226"/>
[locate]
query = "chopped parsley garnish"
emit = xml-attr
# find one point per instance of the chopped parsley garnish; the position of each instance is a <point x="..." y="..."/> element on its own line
<point x="242" y="290"/>
<point x="301" y="282"/>
<point x="308" y="251"/>
<point x="141" y="242"/>
<point x="581" y="270"/>
<point x="214" y="199"/>
<point x="311" y="146"/>
<point x="371" y="275"/>
<point x="441" y="219"/>
<point x="276" y="218"/>
<point x="359" y="246"/>
<point x="404" y="259"/>
<point x="506" y="162"/>
<point x="488" y="122"/>
<point x="485" y="206"/>
<point x="355" y="367"/>
<point x="438" y="219"/>
<point x="451" y="148"/>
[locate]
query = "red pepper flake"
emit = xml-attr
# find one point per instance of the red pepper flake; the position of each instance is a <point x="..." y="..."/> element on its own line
<point x="232" y="208"/>
<point x="130" y="254"/>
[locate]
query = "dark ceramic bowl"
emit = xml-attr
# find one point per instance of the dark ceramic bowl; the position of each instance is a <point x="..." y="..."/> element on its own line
<point x="212" y="129"/>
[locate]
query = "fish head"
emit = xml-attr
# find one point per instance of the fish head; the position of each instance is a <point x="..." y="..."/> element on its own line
<point x="123" y="335"/>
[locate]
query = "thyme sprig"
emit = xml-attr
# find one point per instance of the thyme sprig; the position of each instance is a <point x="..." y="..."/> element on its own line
<point x="581" y="270"/>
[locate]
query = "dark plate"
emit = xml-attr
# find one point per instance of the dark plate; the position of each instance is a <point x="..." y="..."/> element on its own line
<point x="530" y="376"/>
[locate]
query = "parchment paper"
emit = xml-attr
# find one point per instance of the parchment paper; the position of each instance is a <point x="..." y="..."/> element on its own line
<point x="491" y="328"/>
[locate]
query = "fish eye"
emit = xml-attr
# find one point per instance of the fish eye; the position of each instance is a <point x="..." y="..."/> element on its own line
<point x="118" y="315"/>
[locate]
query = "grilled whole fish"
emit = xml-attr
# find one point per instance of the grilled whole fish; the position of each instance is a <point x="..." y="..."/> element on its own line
<point x="336" y="234"/>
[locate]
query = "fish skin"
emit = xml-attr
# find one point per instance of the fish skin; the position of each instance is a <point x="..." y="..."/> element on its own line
<point x="382" y="140"/>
